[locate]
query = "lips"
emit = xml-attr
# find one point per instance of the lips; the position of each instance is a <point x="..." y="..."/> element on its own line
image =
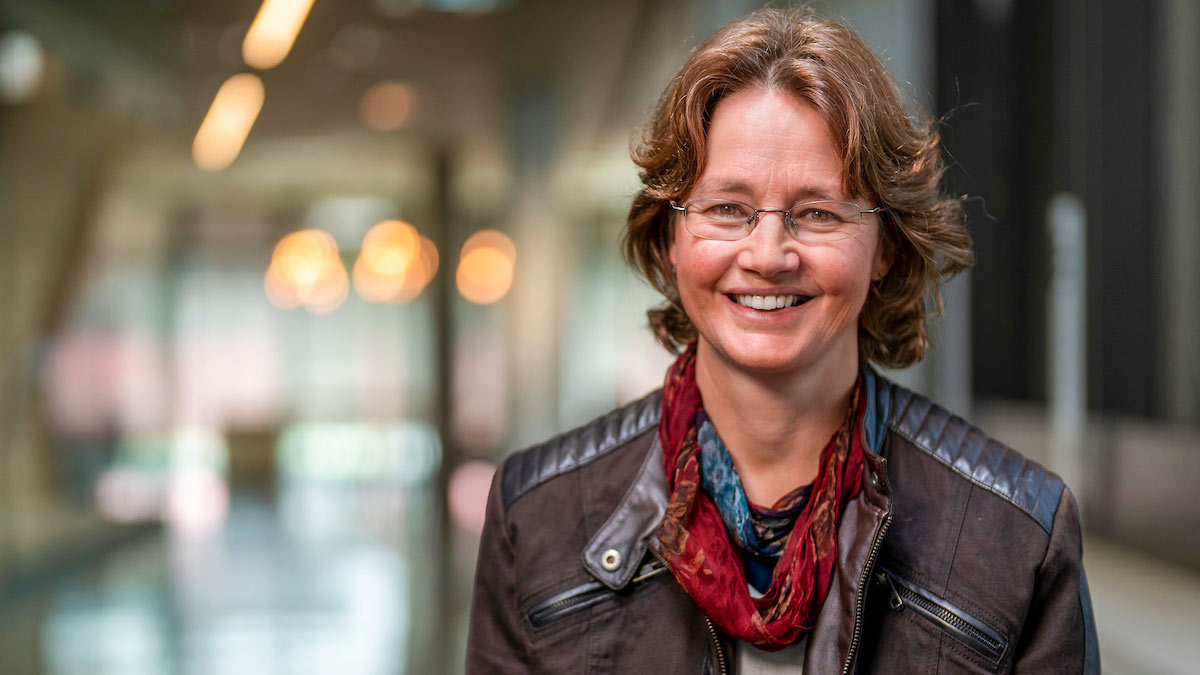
<point x="768" y="302"/>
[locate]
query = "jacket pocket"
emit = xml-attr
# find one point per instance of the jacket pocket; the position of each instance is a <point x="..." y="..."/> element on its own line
<point x="967" y="629"/>
<point x="572" y="601"/>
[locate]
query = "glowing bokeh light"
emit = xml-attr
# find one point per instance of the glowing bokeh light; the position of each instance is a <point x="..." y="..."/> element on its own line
<point x="390" y="247"/>
<point x="229" y="120"/>
<point x="491" y="239"/>
<point x="484" y="274"/>
<point x="396" y="263"/>
<point x="374" y="287"/>
<point x="420" y="273"/>
<point x="306" y="270"/>
<point x="386" y="105"/>
<point x="330" y="291"/>
<point x="486" y="265"/>
<point x="273" y="32"/>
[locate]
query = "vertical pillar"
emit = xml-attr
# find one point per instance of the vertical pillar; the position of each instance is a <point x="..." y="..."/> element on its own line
<point x="436" y="599"/>
<point x="1066" y="327"/>
<point x="1179" y="149"/>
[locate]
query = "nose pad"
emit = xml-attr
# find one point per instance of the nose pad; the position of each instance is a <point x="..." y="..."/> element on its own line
<point x="770" y="249"/>
<point x="788" y="223"/>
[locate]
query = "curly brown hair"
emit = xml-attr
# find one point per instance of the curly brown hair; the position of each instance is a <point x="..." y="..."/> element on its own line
<point x="887" y="156"/>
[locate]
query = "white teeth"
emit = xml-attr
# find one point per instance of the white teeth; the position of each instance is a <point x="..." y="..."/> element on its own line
<point x="766" y="302"/>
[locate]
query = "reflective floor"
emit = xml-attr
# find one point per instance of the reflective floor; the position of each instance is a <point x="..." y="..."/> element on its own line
<point x="1147" y="611"/>
<point x="268" y="594"/>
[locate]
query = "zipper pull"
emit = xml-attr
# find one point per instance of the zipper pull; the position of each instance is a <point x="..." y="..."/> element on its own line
<point x="895" y="601"/>
<point x="650" y="569"/>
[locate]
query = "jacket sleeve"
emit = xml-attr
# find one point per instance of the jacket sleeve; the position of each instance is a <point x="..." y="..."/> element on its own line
<point x="1060" y="632"/>
<point x="495" y="641"/>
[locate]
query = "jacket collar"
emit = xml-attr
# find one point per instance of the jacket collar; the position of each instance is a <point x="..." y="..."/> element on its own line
<point x="616" y="550"/>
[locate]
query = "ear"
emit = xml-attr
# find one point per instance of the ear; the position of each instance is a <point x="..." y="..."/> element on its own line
<point x="885" y="255"/>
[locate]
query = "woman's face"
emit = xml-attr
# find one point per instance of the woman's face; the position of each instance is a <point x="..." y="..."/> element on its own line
<point x="772" y="150"/>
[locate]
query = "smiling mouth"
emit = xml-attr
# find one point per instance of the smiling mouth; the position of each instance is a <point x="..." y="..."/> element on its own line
<point x="769" y="302"/>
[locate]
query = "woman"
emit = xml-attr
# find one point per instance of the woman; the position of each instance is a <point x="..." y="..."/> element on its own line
<point x="779" y="506"/>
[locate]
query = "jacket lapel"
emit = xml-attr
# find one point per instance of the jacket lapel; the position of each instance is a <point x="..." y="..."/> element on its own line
<point x="614" y="553"/>
<point x="860" y="534"/>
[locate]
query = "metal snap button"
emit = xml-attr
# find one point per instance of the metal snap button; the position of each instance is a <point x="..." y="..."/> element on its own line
<point x="611" y="560"/>
<point x="874" y="478"/>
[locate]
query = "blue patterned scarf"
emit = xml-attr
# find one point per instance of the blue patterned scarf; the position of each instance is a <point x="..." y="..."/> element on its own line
<point x="762" y="532"/>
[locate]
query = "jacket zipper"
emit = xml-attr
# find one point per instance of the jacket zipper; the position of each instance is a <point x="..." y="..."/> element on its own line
<point x="862" y="593"/>
<point x="716" y="643"/>
<point x="583" y="596"/>
<point x="966" y="628"/>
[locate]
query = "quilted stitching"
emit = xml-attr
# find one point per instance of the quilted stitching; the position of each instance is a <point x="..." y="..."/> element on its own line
<point x="565" y="452"/>
<point x="968" y="451"/>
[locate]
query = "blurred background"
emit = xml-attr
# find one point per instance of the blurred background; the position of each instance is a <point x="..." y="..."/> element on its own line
<point x="282" y="281"/>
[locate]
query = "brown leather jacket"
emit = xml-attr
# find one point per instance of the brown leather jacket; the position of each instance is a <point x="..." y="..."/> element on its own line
<point x="958" y="555"/>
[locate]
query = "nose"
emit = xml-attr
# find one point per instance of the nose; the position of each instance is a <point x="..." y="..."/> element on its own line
<point x="769" y="250"/>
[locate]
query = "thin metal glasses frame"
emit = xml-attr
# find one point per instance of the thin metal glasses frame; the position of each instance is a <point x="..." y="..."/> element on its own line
<point x="788" y="220"/>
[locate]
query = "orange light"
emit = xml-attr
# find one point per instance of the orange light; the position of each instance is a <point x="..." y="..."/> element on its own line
<point x="485" y="267"/>
<point x="227" y="124"/>
<point x="420" y="273"/>
<point x="484" y="275"/>
<point x="330" y="291"/>
<point x="396" y="263"/>
<point x="386" y="105"/>
<point x="273" y="32"/>
<point x="390" y="247"/>
<point x="491" y="239"/>
<point x="306" y="269"/>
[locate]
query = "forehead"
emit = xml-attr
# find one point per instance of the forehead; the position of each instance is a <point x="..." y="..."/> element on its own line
<point x="767" y="143"/>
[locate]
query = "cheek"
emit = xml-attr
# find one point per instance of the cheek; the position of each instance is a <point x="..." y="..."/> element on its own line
<point x="844" y="273"/>
<point x="699" y="264"/>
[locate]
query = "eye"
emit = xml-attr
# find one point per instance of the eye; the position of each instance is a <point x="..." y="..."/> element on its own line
<point x="822" y="215"/>
<point x="726" y="210"/>
<point x="814" y="216"/>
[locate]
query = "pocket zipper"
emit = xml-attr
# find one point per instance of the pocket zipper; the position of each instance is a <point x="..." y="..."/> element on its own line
<point x="583" y="596"/>
<point x="966" y="628"/>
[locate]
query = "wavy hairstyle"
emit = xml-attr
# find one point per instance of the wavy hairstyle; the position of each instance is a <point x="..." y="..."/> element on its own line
<point x="887" y="157"/>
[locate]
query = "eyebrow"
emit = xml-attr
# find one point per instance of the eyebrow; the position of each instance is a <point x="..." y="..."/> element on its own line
<point x="804" y="194"/>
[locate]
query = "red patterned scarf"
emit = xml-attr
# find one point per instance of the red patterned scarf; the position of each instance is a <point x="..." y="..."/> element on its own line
<point x="698" y="549"/>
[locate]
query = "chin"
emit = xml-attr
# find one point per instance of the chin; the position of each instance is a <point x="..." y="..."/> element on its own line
<point x="776" y="355"/>
<point x="762" y="359"/>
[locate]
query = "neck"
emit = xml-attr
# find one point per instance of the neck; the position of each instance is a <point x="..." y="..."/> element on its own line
<point x="775" y="426"/>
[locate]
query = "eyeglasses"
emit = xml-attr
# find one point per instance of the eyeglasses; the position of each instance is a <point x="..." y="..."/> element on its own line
<point x="815" y="222"/>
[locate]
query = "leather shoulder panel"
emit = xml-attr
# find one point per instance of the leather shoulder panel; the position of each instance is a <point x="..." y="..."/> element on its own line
<point x="969" y="452"/>
<point x="529" y="468"/>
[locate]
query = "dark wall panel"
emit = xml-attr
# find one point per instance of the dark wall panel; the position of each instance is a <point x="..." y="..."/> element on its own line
<point x="1047" y="97"/>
